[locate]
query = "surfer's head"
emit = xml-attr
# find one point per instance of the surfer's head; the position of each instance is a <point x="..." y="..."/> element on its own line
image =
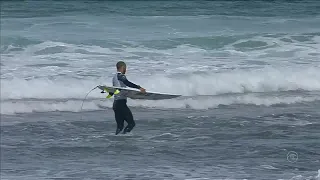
<point x="121" y="67"/>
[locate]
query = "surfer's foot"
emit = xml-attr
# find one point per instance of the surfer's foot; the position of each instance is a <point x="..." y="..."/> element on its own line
<point x="127" y="129"/>
<point x="118" y="131"/>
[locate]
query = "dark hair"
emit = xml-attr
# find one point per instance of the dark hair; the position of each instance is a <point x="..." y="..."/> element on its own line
<point x="120" y="64"/>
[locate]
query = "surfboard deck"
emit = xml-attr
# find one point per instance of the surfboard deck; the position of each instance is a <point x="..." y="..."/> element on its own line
<point x="136" y="94"/>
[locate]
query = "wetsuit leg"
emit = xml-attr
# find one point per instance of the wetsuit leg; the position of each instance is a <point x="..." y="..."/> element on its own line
<point x="129" y="119"/>
<point x="118" y="108"/>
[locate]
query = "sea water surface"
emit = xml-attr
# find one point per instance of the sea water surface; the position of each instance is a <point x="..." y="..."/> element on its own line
<point x="249" y="73"/>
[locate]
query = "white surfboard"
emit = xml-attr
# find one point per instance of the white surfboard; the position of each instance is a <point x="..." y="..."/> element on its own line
<point x="136" y="94"/>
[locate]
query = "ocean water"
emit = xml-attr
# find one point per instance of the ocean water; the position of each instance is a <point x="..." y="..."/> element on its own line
<point x="249" y="73"/>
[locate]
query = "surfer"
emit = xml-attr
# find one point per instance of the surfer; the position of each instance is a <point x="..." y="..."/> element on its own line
<point x="120" y="108"/>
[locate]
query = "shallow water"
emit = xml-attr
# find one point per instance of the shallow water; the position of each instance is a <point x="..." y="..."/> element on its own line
<point x="248" y="73"/>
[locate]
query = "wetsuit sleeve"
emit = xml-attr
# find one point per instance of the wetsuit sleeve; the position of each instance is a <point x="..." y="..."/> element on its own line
<point x="123" y="78"/>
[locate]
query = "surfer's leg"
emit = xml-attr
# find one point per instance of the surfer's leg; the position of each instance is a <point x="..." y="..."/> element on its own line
<point x="129" y="119"/>
<point x="118" y="111"/>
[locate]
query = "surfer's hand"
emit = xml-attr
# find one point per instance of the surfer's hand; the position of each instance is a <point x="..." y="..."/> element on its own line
<point x="142" y="90"/>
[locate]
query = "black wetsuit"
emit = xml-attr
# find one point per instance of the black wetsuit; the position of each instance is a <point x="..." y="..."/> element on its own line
<point x="120" y="108"/>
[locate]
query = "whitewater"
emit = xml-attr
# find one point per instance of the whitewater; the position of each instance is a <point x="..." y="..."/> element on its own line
<point x="57" y="70"/>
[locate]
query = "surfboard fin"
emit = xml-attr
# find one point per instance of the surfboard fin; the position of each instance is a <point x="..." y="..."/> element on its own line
<point x="110" y="93"/>
<point x="116" y="92"/>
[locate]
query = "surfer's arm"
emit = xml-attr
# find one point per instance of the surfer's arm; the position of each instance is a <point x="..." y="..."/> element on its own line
<point x="124" y="79"/>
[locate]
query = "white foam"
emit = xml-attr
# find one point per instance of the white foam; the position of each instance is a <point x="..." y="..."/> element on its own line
<point x="40" y="106"/>
<point x="183" y="58"/>
<point x="261" y="80"/>
<point x="214" y="102"/>
<point x="185" y="69"/>
<point x="238" y="81"/>
<point x="200" y="103"/>
<point x="47" y="89"/>
<point x="318" y="175"/>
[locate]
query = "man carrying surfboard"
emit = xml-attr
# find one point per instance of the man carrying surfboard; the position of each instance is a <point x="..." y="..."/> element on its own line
<point x="120" y="108"/>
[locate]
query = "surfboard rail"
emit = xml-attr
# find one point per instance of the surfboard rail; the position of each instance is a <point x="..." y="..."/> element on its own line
<point x="136" y="94"/>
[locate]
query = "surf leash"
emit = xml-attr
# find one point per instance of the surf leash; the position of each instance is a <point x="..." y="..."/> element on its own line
<point x="86" y="98"/>
<point x="110" y="94"/>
